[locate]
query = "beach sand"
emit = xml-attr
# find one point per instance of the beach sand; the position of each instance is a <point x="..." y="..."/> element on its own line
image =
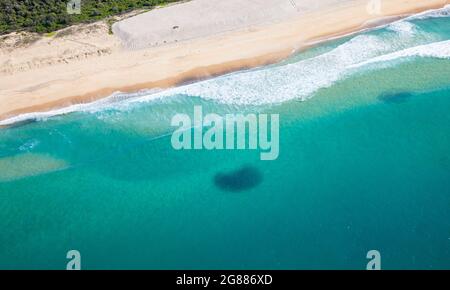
<point x="173" y="45"/>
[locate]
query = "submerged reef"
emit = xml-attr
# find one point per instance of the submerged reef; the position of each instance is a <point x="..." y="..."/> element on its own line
<point x="242" y="179"/>
<point x="395" y="97"/>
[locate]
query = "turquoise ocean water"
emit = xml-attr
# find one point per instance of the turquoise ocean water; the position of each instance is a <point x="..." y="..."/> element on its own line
<point x="364" y="164"/>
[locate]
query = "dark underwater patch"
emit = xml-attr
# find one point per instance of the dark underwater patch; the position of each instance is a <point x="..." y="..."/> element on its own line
<point x="395" y="97"/>
<point x="241" y="179"/>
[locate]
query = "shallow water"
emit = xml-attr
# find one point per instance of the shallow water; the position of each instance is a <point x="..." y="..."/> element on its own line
<point x="364" y="164"/>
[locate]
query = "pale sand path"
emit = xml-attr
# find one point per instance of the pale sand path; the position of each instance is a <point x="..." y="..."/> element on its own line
<point x="202" y="18"/>
<point x="56" y="72"/>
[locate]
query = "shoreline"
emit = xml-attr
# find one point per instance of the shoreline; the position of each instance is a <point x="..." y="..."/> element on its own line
<point x="206" y="57"/>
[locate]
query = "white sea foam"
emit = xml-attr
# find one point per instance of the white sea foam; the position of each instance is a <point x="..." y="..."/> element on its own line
<point x="30" y="144"/>
<point x="434" y="13"/>
<point x="435" y="50"/>
<point x="406" y="27"/>
<point x="402" y="27"/>
<point x="93" y="107"/>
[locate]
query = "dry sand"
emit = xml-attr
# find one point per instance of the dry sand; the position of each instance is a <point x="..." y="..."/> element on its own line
<point x="171" y="45"/>
<point x="202" y="18"/>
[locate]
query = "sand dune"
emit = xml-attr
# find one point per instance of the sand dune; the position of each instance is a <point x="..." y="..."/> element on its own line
<point x="167" y="46"/>
<point x="202" y="18"/>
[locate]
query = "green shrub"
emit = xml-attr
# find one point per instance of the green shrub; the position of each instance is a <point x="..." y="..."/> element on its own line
<point x="45" y="16"/>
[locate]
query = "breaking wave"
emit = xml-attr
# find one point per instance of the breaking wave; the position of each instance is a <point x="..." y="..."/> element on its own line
<point x="302" y="79"/>
<point x="435" y="13"/>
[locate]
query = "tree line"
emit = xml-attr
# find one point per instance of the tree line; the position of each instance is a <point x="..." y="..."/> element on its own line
<point x="49" y="15"/>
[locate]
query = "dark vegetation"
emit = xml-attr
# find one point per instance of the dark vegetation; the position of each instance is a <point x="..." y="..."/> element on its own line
<point x="49" y="15"/>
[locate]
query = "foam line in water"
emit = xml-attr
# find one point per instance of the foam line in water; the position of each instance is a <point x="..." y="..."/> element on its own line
<point x="102" y="104"/>
<point x="434" y="13"/>
<point x="435" y="50"/>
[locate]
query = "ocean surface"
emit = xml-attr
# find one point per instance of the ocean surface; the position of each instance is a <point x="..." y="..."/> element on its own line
<point x="364" y="165"/>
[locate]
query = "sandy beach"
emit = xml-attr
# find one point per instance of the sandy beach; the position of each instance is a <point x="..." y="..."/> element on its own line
<point x="172" y="45"/>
